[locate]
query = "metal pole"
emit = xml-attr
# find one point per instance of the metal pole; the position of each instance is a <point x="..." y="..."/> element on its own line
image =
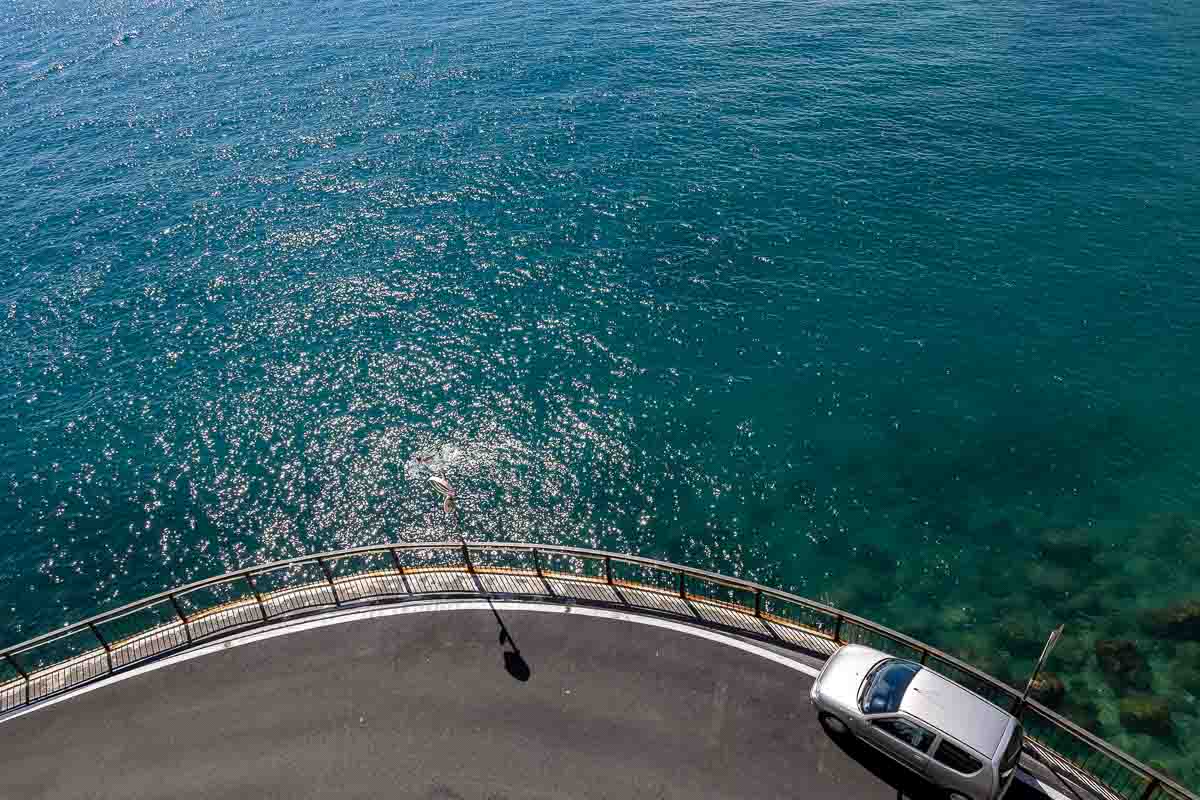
<point x="12" y="662"/>
<point x="1055" y="635"/>
<point x="107" y="650"/>
<point x="758" y="603"/>
<point x="337" y="600"/>
<point x="924" y="657"/>
<point x="400" y="569"/>
<point x="837" y="630"/>
<point x="537" y="562"/>
<point x="682" y="585"/>
<point x="608" y="570"/>
<point x="258" y="597"/>
<point x="182" y="618"/>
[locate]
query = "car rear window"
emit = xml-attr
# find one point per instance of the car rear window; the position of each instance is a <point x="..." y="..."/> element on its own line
<point x="957" y="759"/>
<point x="887" y="685"/>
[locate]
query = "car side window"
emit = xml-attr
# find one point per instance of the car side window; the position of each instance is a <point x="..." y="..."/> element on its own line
<point x="907" y="732"/>
<point x="957" y="759"/>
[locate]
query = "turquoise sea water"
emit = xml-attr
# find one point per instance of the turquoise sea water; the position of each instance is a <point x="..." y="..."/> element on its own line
<point x="863" y="299"/>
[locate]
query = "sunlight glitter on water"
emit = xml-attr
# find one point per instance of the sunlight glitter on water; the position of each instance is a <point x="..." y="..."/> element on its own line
<point x="865" y="301"/>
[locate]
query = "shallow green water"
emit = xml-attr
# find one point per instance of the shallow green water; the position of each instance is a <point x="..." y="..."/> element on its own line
<point x="857" y="299"/>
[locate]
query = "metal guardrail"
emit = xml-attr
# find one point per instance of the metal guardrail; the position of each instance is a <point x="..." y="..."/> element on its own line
<point x="165" y="623"/>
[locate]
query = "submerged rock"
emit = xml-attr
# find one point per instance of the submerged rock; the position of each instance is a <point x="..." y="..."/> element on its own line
<point x="1185" y="676"/>
<point x="1021" y="633"/>
<point x="1072" y="653"/>
<point x="1086" y="603"/>
<point x="978" y="651"/>
<point x="1180" y="621"/>
<point x="1146" y="714"/>
<point x="1123" y="665"/>
<point x="1170" y="531"/>
<point x="953" y="617"/>
<point x="1184" y="669"/>
<point x="1085" y="714"/>
<point x="1049" y="580"/>
<point x="1001" y="581"/>
<point x="1068" y="546"/>
<point x="1103" y="597"/>
<point x="1049" y="690"/>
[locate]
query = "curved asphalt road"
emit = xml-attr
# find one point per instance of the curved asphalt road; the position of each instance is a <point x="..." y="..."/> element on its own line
<point x="422" y="706"/>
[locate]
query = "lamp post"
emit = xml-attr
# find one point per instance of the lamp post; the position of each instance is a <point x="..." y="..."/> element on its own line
<point x="1055" y="635"/>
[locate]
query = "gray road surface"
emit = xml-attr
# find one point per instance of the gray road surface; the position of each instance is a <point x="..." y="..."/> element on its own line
<point x="422" y="706"/>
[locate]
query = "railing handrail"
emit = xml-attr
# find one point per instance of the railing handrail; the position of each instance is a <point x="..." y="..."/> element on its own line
<point x="1151" y="776"/>
<point x="225" y="577"/>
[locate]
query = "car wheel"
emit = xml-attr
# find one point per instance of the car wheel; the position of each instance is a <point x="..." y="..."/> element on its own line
<point x="833" y="725"/>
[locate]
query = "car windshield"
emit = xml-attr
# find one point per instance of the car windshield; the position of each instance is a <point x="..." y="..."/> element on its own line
<point x="886" y="686"/>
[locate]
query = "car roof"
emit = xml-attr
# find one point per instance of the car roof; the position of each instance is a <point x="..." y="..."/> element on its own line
<point x="955" y="710"/>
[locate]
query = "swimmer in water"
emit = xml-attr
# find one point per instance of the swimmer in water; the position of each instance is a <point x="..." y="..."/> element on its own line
<point x="443" y="487"/>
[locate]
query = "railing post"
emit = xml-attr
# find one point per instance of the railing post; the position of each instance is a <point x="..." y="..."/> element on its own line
<point x="924" y="657"/>
<point x="187" y="631"/>
<point x="337" y="600"/>
<point x="758" y="603"/>
<point x="258" y="597"/>
<point x="12" y="662"/>
<point x="608" y="570"/>
<point x="400" y="569"/>
<point x="107" y="650"/>
<point x="837" y="629"/>
<point x="537" y="562"/>
<point x="1151" y="788"/>
<point x="682" y="585"/>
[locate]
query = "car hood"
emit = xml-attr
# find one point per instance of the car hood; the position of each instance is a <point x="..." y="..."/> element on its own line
<point x="843" y="673"/>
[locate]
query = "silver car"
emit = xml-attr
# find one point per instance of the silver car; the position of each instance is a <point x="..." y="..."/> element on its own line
<point x="948" y="734"/>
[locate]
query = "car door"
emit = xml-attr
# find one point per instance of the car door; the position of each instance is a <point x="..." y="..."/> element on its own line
<point x="902" y="739"/>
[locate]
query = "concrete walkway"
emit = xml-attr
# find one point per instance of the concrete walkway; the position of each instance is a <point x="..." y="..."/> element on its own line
<point x="424" y="705"/>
